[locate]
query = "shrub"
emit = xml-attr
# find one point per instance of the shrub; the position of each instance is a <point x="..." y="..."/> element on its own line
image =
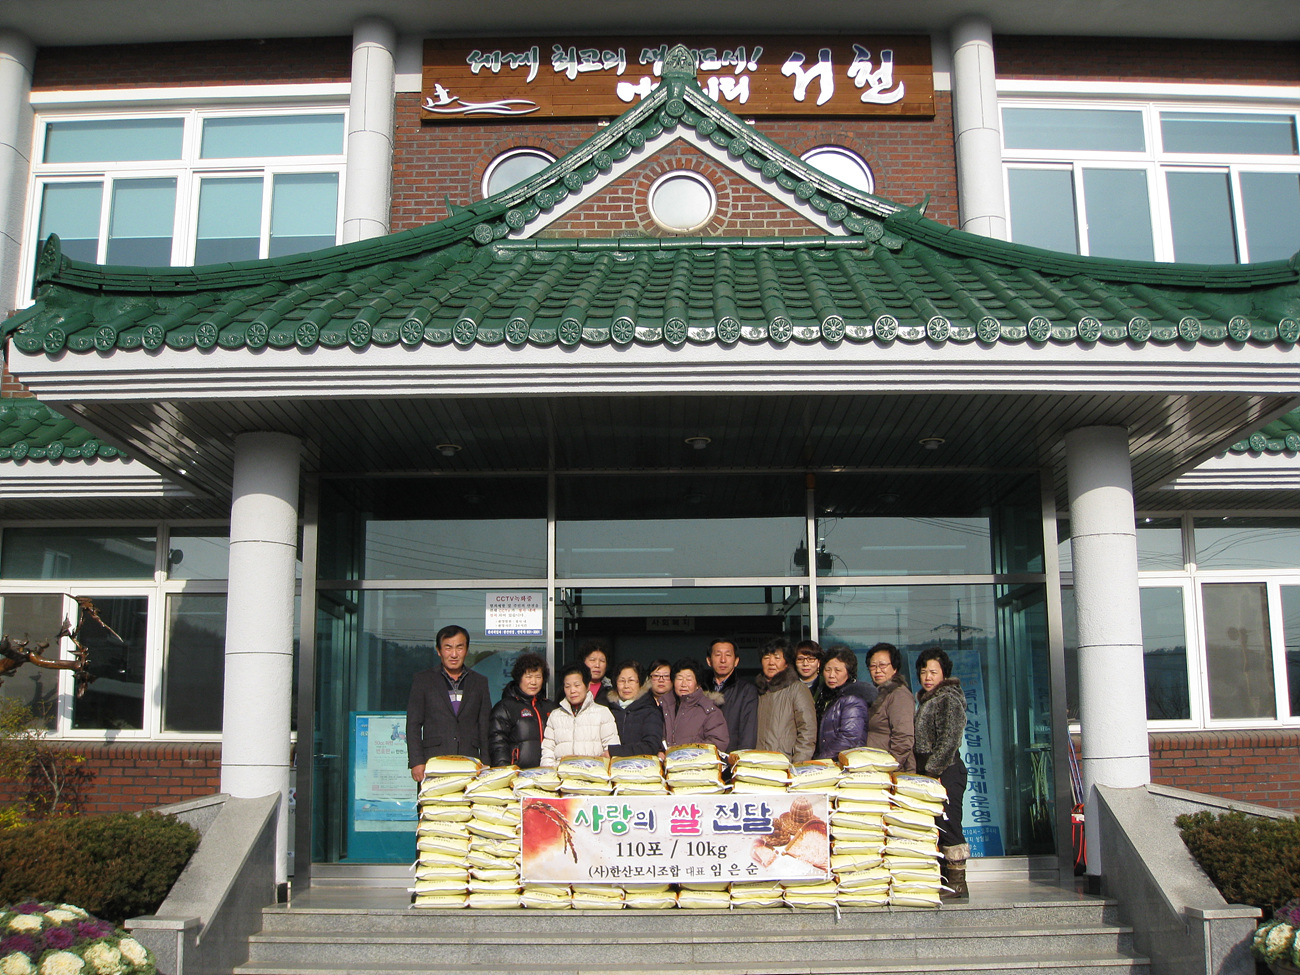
<point x="1250" y="859"/>
<point x="53" y="775"/>
<point x="116" y="866"/>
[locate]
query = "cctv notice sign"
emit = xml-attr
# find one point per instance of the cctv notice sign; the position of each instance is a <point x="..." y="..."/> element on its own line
<point x="673" y="839"/>
<point x="514" y="614"/>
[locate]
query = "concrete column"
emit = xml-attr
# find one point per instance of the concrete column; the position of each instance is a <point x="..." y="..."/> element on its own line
<point x="17" y="58"/>
<point x="368" y="193"/>
<point x="978" y="129"/>
<point x="1112" y="692"/>
<point x="259" y="624"/>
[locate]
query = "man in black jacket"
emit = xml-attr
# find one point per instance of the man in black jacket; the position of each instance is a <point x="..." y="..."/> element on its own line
<point x="449" y="707"/>
<point x="739" y="696"/>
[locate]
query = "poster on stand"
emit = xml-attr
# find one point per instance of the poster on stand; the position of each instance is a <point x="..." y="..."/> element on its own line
<point x="675" y="839"/>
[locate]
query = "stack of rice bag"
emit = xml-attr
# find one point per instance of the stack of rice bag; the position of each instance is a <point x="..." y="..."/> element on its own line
<point x="912" y="841"/>
<point x="442" y="840"/>
<point x="493" y="830"/>
<point x="755" y="772"/>
<point x="542" y="783"/>
<point x="584" y="776"/>
<point x="638" y="775"/>
<point x="694" y="769"/>
<point x="858" y="826"/>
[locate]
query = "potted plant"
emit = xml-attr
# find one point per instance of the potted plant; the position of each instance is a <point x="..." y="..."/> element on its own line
<point x="1275" y="941"/>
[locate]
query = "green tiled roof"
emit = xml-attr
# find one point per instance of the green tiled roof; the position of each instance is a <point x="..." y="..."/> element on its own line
<point x="894" y="276"/>
<point x="1282" y="436"/>
<point x="31" y="430"/>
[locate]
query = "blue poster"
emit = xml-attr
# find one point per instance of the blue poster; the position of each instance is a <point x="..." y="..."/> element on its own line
<point x="981" y="812"/>
<point x="381" y="794"/>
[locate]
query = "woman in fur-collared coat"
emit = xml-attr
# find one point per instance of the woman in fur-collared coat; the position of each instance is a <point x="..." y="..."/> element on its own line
<point x="787" y="718"/>
<point x="639" y="719"/>
<point x="940" y="728"/>
<point x="692" y="714"/>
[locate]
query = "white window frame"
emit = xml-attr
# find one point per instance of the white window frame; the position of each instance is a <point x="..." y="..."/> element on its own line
<point x="189" y="170"/>
<point x="1151" y="101"/>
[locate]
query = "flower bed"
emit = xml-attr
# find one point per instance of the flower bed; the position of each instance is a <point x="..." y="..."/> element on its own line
<point x="60" y="939"/>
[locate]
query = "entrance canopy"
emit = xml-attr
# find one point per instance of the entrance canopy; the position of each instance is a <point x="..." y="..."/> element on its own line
<point x="858" y="346"/>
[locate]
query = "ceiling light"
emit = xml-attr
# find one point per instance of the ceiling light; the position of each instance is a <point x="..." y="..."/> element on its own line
<point x="931" y="443"/>
<point x="699" y="443"/>
<point x="449" y="449"/>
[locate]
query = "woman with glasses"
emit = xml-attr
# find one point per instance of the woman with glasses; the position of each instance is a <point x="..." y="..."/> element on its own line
<point x="891" y="721"/>
<point x="661" y="681"/>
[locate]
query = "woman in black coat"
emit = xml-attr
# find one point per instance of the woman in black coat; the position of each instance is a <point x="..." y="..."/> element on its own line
<point x="844" y="725"/>
<point x="519" y="720"/>
<point x="640" y="721"/>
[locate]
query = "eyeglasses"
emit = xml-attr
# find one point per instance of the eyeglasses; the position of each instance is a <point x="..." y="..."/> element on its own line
<point x="660" y="676"/>
<point x="879" y="666"/>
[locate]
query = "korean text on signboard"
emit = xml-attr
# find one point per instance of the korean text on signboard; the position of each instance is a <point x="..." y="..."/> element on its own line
<point x="675" y="839"/>
<point x="591" y="77"/>
<point x="514" y="614"/>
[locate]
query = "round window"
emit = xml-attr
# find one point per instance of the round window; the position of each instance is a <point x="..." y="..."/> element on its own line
<point x="841" y="164"/>
<point x="682" y="201"/>
<point x="513" y="167"/>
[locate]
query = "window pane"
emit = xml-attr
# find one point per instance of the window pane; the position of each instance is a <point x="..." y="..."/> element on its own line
<point x="1070" y="634"/>
<point x="1237" y="649"/>
<point x="195" y="671"/>
<point x="839" y="163"/>
<point x="72" y="210"/>
<point x="1102" y="129"/>
<point x="1118" y="212"/>
<point x="1247" y="543"/>
<point x="141" y="223"/>
<point x="1164" y="654"/>
<point x="304" y="208"/>
<point x="34" y="618"/>
<point x="904" y="546"/>
<point x="1271" y="203"/>
<point x="230" y="220"/>
<point x="515" y="167"/>
<point x="77" y="553"/>
<point x="115" y="700"/>
<point x="1272" y="135"/>
<point x="198" y="553"/>
<point x="1160" y="544"/>
<point x="1291" y="634"/>
<point x="272" y="135"/>
<point x="667" y="548"/>
<point x="1042" y="209"/>
<point x="501" y="548"/>
<point x="1201" y="214"/>
<point x="113" y="140"/>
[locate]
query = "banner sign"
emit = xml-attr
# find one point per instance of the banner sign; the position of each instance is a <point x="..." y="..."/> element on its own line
<point x="514" y="614"/>
<point x="383" y="795"/>
<point x="602" y="76"/>
<point x="675" y="839"/>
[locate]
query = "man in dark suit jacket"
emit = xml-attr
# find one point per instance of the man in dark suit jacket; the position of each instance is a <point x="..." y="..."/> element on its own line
<point x="449" y="707"/>
<point x="739" y="696"/>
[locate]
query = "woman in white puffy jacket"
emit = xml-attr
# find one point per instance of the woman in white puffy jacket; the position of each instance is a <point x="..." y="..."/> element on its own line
<point x="579" y="726"/>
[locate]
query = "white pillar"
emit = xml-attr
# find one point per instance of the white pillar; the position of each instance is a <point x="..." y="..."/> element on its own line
<point x="368" y="194"/>
<point x="978" y="129"/>
<point x="1112" y="691"/>
<point x="17" y="58"/>
<point x="259" y="624"/>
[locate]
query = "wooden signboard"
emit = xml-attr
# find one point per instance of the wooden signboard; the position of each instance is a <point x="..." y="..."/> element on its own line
<point x="602" y="76"/>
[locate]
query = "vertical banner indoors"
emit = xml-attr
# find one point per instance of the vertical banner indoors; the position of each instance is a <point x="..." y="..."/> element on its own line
<point x="381" y="794"/>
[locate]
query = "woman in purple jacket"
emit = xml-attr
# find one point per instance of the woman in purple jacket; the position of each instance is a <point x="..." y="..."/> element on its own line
<point x="844" y="725"/>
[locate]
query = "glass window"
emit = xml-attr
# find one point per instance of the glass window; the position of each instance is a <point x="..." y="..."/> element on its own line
<point x="1247" y="543"/>
<point x="1200" y="214"/>
<point x="1271" y="205"/>
<point x="72" y="211"/>
<point x="1160" y="544"/>
<point x="1095" y="129"/>
<point x="494" y="548"/>
<point x="842" y="164"/>
<point x="78" y="553"/>
<point x="1238" y="134"/>
<point x="195" y="669"/>
<point x="680" y="547"/>
<point x="114" y="140"/>
<point x="230" y="221"/>
<point x="140" y="226"/>
<point x="1041" y="203"/>
<point x="1118" y="214"/>
<point x="247" y="137"/>
<point x="34" y="618"/>
<point x="514" y="167"/>
<point x="198" y="553"/>
<point x="682" y="201"/>
<point x="114" y="701"/>
<point x="904" y="546"/>
<point x="1291" y="634"/>
<point x="304" y="212"/>
<point x="1164" y="654"/>
<point x="1238" y="650"/>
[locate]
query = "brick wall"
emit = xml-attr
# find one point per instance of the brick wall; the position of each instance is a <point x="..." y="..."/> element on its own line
<point x="9" y="386"/>
<point x="129" y="777"/>
<point x="1147" y="59"/>
<point x="1251" y="766"/>
<point x="242" y="62"/>
<point x="438" y="161"/>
